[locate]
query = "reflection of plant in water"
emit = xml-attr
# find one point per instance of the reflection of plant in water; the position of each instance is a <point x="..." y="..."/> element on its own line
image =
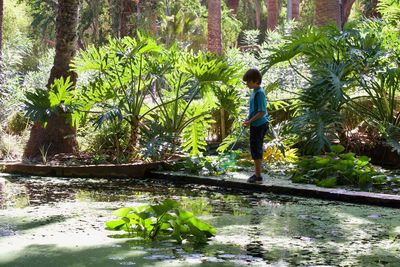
<point x="161" y="221"/>
<point x="13" y="195"/>
<point x="101" y="196"/>
<point x="199" y="206"/>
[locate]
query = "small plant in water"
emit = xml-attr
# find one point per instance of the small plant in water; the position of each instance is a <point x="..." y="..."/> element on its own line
<point x="160" y="222"/>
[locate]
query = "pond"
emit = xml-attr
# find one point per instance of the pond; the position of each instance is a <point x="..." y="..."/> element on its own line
<point x="60" y="222"/>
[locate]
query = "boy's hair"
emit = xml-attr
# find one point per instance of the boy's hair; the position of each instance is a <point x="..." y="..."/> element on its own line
<point x="253" y="75"/>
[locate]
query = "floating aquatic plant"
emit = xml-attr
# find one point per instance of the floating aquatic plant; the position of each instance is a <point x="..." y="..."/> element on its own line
<point x="162" y="221"/>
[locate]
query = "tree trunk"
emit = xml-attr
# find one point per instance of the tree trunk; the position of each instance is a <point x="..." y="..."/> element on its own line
<point x="59" y="136"/>
<point x="233" y="5"/>
<point x="134" y="134"/>
<point x="295" y="10"/>
<point x="151" y="11"/>
<point x="127" y="10"/>
<point x="273" y="12"/>
<point x="1" y="38"/>
<point x="346" y="9"/>
<point x="327" y="11"/>
<point x="214" y="27"/>
<point x="114" y="7"/>
<point x="223" y="124"/>
<point x="258" y="13"/>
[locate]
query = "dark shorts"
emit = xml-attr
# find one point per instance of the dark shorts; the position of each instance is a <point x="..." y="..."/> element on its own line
<point x="257" y="134"/>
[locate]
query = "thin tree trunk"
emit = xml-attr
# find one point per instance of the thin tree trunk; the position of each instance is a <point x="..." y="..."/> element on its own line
<point x="233" y="5"/>
<point x="59" y="136"/>
<point x="114" y="7"/>
<point x="273" y="12"/>
<point x="223" y="124"/>
<point x="258" y="13"/>
<point x="1" y="38"/>
<point x="134" y="134"/>
<point x="327" y="11"/>
<point x="127" y="10"/>
<point x="152" y="11"/>
<point x="214" y="27"/>
<point x="295" y="9"/>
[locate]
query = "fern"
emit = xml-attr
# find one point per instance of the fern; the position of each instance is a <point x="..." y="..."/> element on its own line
<point x="194" y="135"/>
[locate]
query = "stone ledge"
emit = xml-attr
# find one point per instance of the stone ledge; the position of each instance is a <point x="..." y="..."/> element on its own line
<point x="384" y="200"/>
<point x="84" y="171"/>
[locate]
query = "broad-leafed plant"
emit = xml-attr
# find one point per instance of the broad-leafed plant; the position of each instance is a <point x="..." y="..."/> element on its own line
<point x="160" y="222"/>
<point x="42" y="103"/>
<point x="187" y="95"/>
<point x="123" y="74"/>
<point x="345" y="67"/>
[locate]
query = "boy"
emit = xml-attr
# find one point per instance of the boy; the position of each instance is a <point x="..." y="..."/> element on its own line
<point x="257" y="120"/>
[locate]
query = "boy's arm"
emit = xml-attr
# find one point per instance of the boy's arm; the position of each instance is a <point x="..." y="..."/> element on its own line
<point x="254" y="118"/>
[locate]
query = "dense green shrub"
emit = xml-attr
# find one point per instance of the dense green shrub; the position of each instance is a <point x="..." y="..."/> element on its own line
<point x="336" y="168"/>
<point x="16" y="123"/>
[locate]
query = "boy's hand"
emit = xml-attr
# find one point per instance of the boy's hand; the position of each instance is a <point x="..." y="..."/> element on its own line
<point x="246" y="123"/>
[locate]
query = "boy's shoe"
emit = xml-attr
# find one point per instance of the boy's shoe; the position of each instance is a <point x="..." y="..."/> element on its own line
<point x="255" y="179"/>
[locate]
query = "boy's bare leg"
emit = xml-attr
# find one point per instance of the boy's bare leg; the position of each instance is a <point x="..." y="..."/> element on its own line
<point x="257" y="164"/>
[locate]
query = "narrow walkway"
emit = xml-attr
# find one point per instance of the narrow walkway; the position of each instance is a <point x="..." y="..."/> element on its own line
<point x="283" y="186"/>
<point x="274" y="183"/>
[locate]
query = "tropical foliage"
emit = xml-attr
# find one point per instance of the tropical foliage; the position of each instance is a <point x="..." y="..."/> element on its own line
<point x="336" y="168"/>
<point x="162" y="221"/>
<point x="344" y="68"/>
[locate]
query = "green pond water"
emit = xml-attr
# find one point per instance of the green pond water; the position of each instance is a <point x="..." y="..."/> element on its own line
<point x="60" y="222"/>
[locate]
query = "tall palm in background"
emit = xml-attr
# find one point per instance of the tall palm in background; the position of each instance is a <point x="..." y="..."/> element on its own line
<point x="327" y="11"/>
<point x="273" y="12"/>
<point x="295" y="9"/>
<point x="59" y="136"/>
<point x="214" y="27"/>
<point x="1" y="34"/>
<point x="233" y="5"/>
<point x="129" y="7"/>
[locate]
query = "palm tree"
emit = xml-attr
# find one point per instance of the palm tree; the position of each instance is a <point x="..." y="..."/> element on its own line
<point x="214" y="27"/>
<point x="295" y="9"/>
<point x="128" y="8"/>
<point x="273" y="12"/>
<point x="233" y="5"/>
<point x="327" y="11"/>
<point x="346" y="9"/>
<point x="59" y="136"/>
<point x="1" y="34"/>
<point x="258" y="13"/>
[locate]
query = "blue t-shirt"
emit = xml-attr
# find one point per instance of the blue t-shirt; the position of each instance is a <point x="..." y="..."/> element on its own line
<point x="258" y="103"/>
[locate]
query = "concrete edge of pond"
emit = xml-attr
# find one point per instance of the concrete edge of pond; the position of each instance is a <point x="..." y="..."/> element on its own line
<point x="149" y="170"/>
<point x="85" y="171"/>
<point x="366" y="198"/>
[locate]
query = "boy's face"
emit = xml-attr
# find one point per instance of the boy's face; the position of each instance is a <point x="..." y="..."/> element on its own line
<point x="252" y="84"/>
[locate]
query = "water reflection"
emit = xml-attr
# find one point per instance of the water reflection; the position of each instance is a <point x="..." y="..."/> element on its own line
<point x="253" y="229"/>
